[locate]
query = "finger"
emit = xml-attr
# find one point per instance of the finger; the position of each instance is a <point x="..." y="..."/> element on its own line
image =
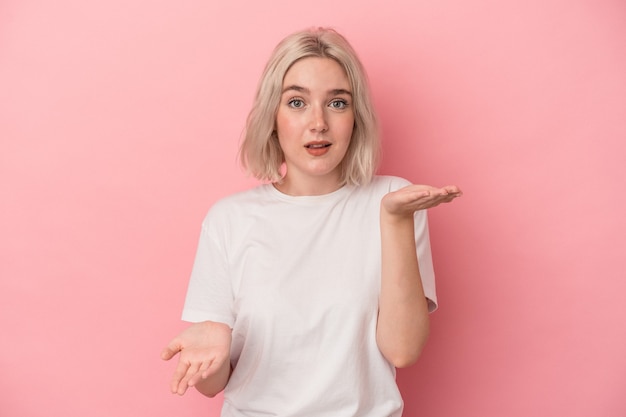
<point x="205" y="369"/>
<point x="191" y="375"/>
<point x="172" y="348"/>
<point x="453" y="189"/>
<point x="181" y="390"/>
<point x="444" y="194"/>
<point x="201" y="373"/>
<point x="167" y="353"/>
<point x="179" y="374"/>
<point x="444" y="199"/>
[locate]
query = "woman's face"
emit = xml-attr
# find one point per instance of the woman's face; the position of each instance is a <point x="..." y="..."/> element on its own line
<point x="314" y="123"/>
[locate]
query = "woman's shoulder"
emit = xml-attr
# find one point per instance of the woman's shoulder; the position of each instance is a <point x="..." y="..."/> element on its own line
<point x="241" y="197"/>
<point x="238" y="202"/>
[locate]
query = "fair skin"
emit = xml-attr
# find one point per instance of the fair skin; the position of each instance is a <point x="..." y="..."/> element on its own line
<point x="314" y="124"/>
<point x="403" y="323"/>
<point x="204" y="361"/>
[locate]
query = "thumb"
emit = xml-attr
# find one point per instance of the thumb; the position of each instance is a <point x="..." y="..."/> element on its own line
<point x="170" y="350"/>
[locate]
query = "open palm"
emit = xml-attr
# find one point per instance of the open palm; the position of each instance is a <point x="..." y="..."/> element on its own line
<point x="409" y="199"/>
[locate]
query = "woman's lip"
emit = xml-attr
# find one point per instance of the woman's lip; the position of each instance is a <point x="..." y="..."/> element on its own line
<point x="317" y="148"/>
<point x="317" y="145"/>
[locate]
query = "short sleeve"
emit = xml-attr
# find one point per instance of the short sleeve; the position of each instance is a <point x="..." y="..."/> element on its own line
<point x="209" y="294"/>
<point x="425" y="259"/>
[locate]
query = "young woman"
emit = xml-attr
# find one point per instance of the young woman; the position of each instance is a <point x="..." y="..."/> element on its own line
<point x="310" y="290"/>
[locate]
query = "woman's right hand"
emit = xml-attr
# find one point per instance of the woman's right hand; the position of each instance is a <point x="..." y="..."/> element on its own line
<point x="204" y="352"/>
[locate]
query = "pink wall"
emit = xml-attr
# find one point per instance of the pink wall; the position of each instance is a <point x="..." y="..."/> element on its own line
<point x="119" y="124"/>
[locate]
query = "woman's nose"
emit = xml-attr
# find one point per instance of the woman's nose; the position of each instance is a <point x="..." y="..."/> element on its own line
<point x="318" y="120"/>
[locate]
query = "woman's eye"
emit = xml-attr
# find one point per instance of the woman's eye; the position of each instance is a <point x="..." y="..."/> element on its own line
<point x="296" y="103"/>
<point x="338" y="104"/>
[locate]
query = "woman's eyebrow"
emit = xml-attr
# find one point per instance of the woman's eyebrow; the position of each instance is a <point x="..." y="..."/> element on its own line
<point x="295" y="88"/>
<point x="333" y="92"/>
<point x="340" y="91"/>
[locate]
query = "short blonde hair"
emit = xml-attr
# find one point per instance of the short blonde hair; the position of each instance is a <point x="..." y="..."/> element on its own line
<point x="260" y="153"/>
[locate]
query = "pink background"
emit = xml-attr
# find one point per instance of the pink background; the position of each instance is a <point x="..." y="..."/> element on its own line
<point x="119" y="126"/>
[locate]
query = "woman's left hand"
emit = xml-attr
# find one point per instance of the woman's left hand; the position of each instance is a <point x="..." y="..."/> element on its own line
<point x="407" y="200"/>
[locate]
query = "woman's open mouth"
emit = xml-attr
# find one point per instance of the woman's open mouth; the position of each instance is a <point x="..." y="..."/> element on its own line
<point x="317" y="148"/>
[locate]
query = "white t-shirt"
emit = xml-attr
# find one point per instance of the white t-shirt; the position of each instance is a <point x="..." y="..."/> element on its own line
<point x="298" y="281"/>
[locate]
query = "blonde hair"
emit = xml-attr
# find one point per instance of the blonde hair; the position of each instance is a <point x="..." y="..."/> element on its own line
<point x="260" y="153"/>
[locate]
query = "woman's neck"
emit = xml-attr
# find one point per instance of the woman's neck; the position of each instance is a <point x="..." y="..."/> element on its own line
<point x="307" y="188"/>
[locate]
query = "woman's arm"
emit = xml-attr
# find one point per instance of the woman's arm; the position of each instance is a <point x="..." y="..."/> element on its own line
<point x="403" y="323"/>
<point x="204" y="360"/>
